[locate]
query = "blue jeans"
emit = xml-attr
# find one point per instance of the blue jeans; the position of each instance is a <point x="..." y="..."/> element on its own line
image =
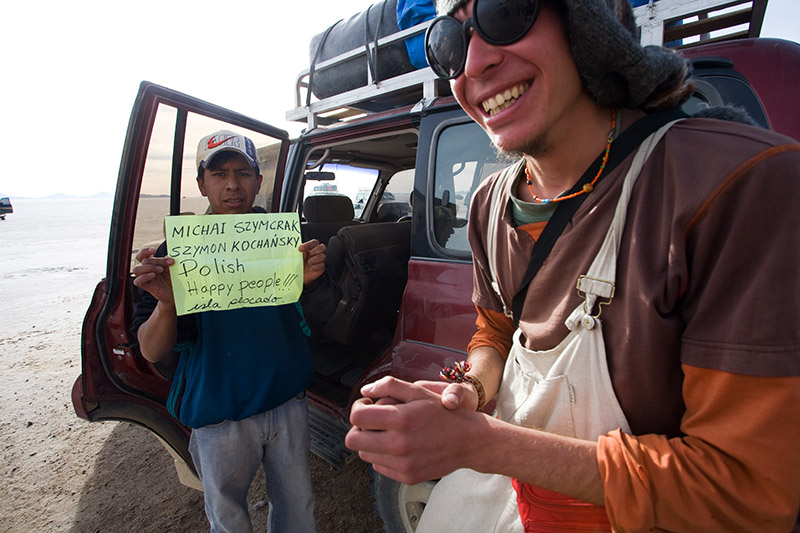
<point x="227" y="456"/>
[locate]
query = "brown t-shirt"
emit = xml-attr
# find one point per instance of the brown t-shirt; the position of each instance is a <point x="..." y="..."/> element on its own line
<point x="704" y="315"/>
<point x="707" y="271"/>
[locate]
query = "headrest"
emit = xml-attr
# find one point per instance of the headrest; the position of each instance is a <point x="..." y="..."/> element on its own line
<point x="392" y="211"/>
<point x="328" y="208"/>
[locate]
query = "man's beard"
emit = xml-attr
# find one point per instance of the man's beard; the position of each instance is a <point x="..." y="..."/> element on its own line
<point x="534" y="148"/>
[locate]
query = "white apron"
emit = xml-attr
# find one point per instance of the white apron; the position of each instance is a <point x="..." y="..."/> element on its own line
<point x="566" y="390"/>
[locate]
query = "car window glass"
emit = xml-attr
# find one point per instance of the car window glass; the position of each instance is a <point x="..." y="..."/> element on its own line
<point x="156" y="183"/>
<point x="725" y="89"/>
<point x="354" y="182"/>
<point x="153" y="204"/>
<point x="395" y="201"/>
<point x="464" y="158"/>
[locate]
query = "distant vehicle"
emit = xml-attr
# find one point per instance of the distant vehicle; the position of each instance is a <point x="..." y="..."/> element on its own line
<point x="325" y="187"/>
<point x="5" y="208"/>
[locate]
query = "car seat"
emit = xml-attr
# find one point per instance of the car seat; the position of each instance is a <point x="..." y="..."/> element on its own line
<point x="325" y="214"/>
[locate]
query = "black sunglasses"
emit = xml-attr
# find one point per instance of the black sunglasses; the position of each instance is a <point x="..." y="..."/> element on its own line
<point x="498" y="22"/>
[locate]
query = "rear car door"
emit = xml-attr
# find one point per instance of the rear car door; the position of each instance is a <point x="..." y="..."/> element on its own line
<point x="438" y="316"/>
<point x="157" y="178"/>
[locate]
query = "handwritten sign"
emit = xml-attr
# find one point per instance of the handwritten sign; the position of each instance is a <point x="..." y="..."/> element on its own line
<point x="231" y="261"/>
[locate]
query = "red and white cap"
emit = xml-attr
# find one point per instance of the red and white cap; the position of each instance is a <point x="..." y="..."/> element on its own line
<point x="225" y="141"/>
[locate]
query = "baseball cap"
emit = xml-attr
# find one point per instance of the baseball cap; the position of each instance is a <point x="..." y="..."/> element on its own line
<point x="225" y="141"/>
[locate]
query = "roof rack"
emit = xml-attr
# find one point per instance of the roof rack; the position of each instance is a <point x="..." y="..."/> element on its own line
<point x="418" y="86"/>
<point x="678" y="23"/>
<point x="688" y="23"/>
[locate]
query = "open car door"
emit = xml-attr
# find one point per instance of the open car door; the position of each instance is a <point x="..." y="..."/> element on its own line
<point x="157" y="178"/>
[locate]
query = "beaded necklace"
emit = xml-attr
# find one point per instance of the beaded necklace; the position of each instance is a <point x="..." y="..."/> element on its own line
<point x="588" y="187"/>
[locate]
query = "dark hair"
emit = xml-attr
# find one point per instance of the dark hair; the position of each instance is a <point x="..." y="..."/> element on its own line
<point x="218" y="160"/>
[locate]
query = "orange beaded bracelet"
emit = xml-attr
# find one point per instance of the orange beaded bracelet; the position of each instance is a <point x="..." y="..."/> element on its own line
<point x="458" y="374"/>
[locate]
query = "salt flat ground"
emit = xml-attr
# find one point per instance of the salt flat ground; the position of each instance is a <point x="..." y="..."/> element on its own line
<point x="62" y="473"/>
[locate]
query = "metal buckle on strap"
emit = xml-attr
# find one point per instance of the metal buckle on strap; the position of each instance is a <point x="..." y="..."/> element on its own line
<point x="506" y="311"/>
<point x="601" y="288"/>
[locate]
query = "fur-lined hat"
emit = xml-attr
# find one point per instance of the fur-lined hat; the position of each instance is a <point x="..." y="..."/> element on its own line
<point x="614" y="67"/>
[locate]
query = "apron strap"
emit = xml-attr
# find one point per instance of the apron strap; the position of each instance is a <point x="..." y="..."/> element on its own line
<point x="599" y="280"/>
<point x="495" y="212"/>
<point x="627" y="142"/>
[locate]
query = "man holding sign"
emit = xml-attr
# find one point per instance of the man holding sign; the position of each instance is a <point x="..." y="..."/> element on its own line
<point x="243" y="368"/>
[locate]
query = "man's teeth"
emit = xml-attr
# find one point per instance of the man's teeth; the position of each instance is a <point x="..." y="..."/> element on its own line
<point x="504" y="99"/>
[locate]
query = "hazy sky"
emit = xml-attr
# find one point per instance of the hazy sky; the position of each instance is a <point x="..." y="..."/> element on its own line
<point x="71" y="71"/>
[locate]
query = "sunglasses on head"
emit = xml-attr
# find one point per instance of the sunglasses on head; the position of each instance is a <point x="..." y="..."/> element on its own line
<point x="498" y="22"/>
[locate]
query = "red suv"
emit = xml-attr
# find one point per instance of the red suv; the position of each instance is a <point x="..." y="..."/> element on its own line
<point x="404" y="261"/>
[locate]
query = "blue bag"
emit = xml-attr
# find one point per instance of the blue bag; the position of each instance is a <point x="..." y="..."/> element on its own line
<point x="410" y="13"/>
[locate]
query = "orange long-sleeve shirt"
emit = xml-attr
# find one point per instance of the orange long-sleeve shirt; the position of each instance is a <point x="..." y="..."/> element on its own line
<point x="730" y="424"/>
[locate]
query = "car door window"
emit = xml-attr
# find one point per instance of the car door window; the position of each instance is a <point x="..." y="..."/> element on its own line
<point x="464" y="158"/>
<point x="156" y="195"/>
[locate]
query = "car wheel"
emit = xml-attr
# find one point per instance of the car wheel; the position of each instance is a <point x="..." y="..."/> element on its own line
<point x="399" y="505"/>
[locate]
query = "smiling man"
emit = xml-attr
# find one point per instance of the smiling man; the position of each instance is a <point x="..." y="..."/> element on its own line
<point x="663" y="393"/>
<point x="242" y="373"/>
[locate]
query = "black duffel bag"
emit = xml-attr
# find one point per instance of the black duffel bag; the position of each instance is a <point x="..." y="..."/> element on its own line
<point x="356" y="32"/>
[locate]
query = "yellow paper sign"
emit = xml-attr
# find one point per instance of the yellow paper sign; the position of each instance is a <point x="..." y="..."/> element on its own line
<point x="231" y="261"/>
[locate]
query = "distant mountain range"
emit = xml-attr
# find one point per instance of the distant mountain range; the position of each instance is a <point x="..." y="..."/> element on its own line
<point x="60" y="196"/>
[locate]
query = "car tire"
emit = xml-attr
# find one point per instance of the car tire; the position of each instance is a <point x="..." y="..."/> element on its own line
<point x="399" y="505"/>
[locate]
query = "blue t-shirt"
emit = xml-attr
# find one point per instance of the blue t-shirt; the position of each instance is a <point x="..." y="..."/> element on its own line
<point x="244" y="362"/>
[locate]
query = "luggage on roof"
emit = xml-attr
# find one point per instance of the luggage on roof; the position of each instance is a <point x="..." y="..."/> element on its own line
<point x="362" y="31"/>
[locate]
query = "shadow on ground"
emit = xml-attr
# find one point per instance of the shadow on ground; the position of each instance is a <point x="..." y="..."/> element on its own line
<point x="134" y="488"/>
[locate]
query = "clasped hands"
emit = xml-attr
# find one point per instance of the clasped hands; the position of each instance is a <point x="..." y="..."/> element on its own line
<point x="414" y="432"/>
